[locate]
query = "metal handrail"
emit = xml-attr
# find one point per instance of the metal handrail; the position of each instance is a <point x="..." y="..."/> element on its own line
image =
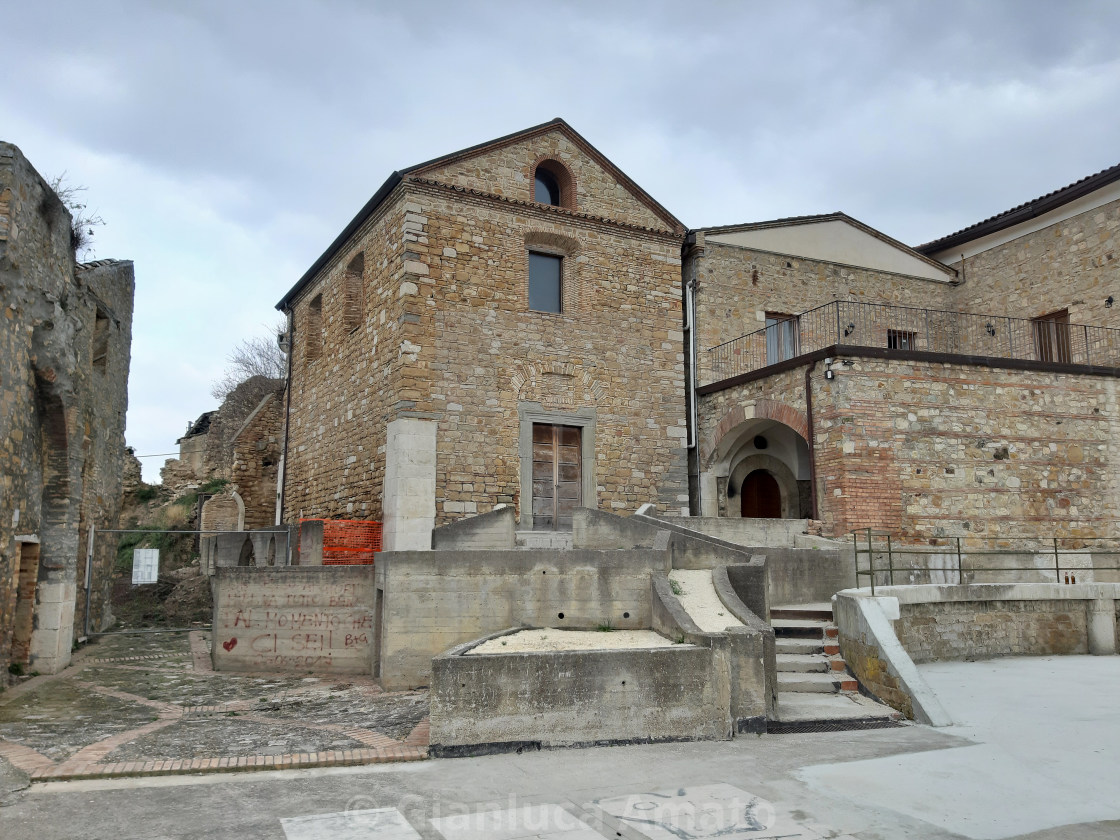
<point x="893" y="551"/>
<point x="908" y="328"/>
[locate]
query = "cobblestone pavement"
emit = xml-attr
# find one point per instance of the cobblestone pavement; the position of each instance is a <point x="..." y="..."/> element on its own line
<point x="150" y="704"/>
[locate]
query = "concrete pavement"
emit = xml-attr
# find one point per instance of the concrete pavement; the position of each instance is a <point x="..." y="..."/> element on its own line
<point x="1032" y="756"/>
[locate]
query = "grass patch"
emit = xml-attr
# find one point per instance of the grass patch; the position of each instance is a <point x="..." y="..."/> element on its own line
<point x="675" y="587"/>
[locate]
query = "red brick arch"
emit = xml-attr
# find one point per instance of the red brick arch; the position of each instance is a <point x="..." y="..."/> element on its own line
<point x="763" y="410"/>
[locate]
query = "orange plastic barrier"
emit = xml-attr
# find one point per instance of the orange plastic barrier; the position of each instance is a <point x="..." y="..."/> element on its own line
<point x="349" y="542"/>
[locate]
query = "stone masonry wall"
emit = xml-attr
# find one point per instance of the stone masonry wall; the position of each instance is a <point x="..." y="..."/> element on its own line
<point x="934" y="450"/>
<point x="256" y="457"/>
<point x="508" y="172"/>
<point x="737" y="286"/>
<point x="65" y="333"/>
<point x="616" y="349"/>
<point x="343" y="399"/>
<point x="981" y="629"/>
<point x="1074" y="264"/>
<point x="446" y="335"/>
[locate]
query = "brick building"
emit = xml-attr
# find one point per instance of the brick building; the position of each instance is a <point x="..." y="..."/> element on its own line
<point x="65" y="339"/>
<point x="520" y="323"/>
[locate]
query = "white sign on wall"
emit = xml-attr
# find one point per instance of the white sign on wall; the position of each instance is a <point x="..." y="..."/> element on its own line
<point x="145" y="565"/>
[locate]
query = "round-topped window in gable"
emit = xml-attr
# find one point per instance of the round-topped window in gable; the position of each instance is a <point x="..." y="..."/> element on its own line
<point x="552" y="184"/>
<point x="545" y="188"/>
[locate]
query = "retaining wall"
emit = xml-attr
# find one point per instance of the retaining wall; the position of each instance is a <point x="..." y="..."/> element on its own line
<point x="504" y="701"/>
<point x="882" y="637"/>
<point x="433" y="601"/>
<point x="293" y="619"/>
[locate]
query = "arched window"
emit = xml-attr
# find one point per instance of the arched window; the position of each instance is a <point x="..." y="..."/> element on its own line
<point x="313" y="342"/>
<point x="553" y="184"/>
<point x="545" y="188"/>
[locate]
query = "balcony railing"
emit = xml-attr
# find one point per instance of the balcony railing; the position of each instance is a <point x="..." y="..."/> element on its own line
<point x="905" y="328"/>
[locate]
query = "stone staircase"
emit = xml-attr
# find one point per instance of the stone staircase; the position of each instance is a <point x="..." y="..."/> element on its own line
<point x="815" y="690"/>
<point x="808" y="652"/>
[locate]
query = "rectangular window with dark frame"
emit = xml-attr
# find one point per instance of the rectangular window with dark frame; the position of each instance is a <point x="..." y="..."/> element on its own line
<point x="545" y="274"/>
<point x="902" y="340"/>
<point x="783" y="337"/>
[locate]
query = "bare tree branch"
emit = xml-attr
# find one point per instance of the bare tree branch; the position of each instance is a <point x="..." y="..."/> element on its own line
<point x="259" y="356"/>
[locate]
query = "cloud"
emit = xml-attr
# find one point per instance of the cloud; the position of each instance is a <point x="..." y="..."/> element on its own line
<point x="226" y="144"/>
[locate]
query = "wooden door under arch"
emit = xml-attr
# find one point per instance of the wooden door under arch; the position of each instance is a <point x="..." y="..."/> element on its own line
<point x="760" y="496"/>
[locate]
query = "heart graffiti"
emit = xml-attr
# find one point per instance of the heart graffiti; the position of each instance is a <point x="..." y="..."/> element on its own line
<point x="230" y="645"/>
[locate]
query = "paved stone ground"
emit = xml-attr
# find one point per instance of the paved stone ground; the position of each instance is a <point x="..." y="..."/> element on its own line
<point x="149" y="704"/>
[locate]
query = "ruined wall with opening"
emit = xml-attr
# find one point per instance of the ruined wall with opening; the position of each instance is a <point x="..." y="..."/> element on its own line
<point x="65" y="334"/>
<point x="256" y="451"/>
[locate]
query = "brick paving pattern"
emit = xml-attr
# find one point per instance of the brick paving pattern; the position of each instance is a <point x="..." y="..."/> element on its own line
<point x="128" y="707"/>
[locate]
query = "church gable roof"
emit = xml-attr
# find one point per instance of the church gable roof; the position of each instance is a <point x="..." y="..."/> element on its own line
<point x="614" y="197"/>
<point x="504" y="167"/>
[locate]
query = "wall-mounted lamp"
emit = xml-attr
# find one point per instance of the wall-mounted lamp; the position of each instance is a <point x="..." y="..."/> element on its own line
<point x="990" y="328"/>
<point x="828" y="374"/>
<point x="851" y="328"/>
<point x="1108" y="301"/>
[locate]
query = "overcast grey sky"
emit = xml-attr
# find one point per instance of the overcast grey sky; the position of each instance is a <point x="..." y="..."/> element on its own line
<point x="226" y="143"/>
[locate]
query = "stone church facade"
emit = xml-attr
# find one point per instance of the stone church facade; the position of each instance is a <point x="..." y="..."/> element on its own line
<point x="463" y="345"/>
<point x="519" y="323"/>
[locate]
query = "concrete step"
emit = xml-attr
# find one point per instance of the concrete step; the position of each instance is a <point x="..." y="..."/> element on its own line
<point x="783" y="644"/>
<point x="804" y="663"/>
<point x="806" y="712"/>
<point x="818" y="683"/>
<point x="816" y="612"/>
<point x="800" y="627"/>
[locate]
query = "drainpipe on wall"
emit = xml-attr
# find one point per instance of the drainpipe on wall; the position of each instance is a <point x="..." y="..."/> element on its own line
<point x="283" y="477"/>
<point x="810" y="441"/>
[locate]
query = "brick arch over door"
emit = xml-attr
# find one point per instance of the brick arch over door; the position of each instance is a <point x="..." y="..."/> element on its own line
<point x="761" y="410"/>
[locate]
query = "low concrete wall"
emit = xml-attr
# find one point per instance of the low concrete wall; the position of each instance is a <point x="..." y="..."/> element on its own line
<point x="263" y="547"/>
<point x="499" y="702"/>
<point x="754" y="670"/>
<point x="433" y="601"/>
<point x="687" y="549"/>
<point x="293" y="619"/>
<point x="882" y="637"/>
<point x="806" y="575"/>
<point x="310" y="544"/>
<point x="494" y="530"/>
<point x="777" y="533"/>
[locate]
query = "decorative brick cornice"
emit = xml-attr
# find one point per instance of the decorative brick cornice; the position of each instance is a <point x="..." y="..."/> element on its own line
<point x="543" y="208"/>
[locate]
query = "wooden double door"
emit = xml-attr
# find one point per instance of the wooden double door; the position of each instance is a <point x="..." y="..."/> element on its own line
<point x="557" y="476"/>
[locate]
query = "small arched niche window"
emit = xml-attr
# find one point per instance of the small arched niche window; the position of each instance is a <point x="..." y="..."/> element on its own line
<point x="352" y="285"/>
<point x="552" y="184"/>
